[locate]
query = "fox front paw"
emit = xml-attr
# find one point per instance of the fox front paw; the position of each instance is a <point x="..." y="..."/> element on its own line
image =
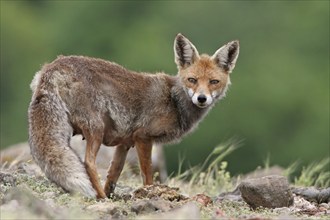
<point x="110" y="189"/>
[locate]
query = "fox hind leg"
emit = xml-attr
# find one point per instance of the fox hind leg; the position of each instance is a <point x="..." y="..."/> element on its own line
<point x="92" y="148"/>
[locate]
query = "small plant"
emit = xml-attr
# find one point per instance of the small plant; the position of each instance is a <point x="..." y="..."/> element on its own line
<point x="289" y="172"/>
<point x="212" y="174"/>
<point x="316" y="174"/>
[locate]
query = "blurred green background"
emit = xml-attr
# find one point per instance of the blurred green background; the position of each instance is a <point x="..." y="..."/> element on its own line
<point x="278" y="103"/>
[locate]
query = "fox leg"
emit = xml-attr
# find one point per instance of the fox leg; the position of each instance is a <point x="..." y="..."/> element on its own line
<point x="144" y="153"/>
<point x="143" y="146"/>
<point x="115" y="169"/>
<point x="93" y="146"/>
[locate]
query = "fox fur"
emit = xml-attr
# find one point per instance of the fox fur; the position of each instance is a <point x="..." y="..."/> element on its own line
<point x="111" y="105"/>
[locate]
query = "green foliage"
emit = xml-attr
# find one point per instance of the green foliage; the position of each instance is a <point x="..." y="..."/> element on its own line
<point x="291" y="170"/>
<point x="316" y="174"/>
<point x="279" y="100"/>
<point x="212" y="175"/>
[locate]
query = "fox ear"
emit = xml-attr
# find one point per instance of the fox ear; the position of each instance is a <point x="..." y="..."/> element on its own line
<point x="227" y="55"/>
<point x="185" y="52"/>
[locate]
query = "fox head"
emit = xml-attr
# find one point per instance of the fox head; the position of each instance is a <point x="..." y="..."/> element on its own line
<point x="205" y="78"/>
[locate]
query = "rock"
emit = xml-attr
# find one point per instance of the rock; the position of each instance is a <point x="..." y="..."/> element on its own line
<point x="107" y="208"/>
<point x="303" y="208"/>
<point x="270" y="192"/>
<point x="143" y="207"/>
<point x="325" y="206"/>
<point x="152" y="205"/>
<point x="103" y="207"/>
<point x="10" y="206"/>
<point x="188" y="211"/>
<point x="7" y="179"/>
<point x="122" y="193"/>
<point x="117" y="213"/>
<point x="313" y="194"/>
<point x="15" y="154"/>
<point x="309" y="193"/>
<point x="21" y="203"/>
<point x="287" y="217"/>
<point x="202" y="199"/>
<point x="31" y="169"/>
<point x="25" y="202"/>
<point x="302" y="204"/>
<point x="234" y="196"/>
<point x="324" y="196"/>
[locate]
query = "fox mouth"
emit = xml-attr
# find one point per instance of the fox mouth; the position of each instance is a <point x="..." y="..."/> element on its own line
<point x="202" y="105"/>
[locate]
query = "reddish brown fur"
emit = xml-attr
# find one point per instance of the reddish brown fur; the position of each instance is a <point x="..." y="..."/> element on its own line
<point x="109" y="104"/>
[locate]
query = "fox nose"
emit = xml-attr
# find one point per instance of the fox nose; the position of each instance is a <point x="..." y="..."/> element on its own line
<point x="201" y="99"/>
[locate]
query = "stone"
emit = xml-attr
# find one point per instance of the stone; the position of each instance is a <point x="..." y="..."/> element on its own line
<point x="302" y="204"/>
<point x="7" y="179"/>
<point x="26" y="202"/>
<point x="103" y="207"/>
<point x="325" y="206"/>
<point x="234" y="196"/>
<point x="309" y="193"/>
<point x="22" y="203"/>
<point x="313" y="194"/>
<point x="11" y="206"/>
<point x="31" y="169"/>
<point x="203" y="199"/>
<point x="324" y="196"/>
<point x="269" y="192"/>
<point x="187" y="211"/>
<point x="150" y="205"/>
<point x="14" y="154"/>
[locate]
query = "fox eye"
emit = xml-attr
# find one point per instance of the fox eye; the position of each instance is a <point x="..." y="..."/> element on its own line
<point x="214" y="81"/>
<point x="192" y="80"/>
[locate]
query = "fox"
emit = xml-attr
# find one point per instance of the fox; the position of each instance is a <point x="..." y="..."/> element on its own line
<point x="111" y="105"/>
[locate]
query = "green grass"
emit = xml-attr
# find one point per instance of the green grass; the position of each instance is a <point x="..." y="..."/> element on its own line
<point x="211" y="176"/>
<point x="316" y="174"/>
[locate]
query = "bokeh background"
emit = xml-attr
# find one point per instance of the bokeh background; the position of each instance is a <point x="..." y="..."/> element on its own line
<point x="278" y="104"/>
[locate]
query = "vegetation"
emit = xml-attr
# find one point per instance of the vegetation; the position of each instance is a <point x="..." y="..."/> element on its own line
<point x="315" y="174"/>
<point x="212" y="175"/>
<point x="38" y="198"/>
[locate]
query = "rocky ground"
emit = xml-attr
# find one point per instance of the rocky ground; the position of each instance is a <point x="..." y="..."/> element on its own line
<point x="25" y="193"/>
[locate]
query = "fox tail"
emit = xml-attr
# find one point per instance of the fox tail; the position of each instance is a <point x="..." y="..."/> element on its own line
<point x="49" y="138"/>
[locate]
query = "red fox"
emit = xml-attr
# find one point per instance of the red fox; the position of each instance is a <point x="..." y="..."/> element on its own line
<point x="108" y="104"/>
